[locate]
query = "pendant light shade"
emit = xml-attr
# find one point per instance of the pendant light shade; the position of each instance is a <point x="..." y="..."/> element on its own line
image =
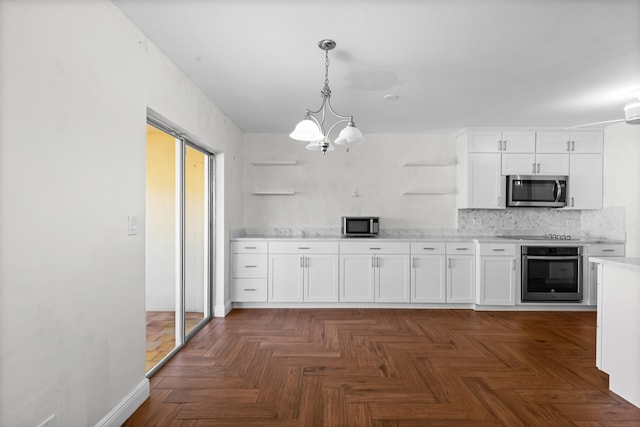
<point x="312" y="128"/>
<point x="349" y="135"/>
<point x="307" y="130"/>
<point x="322" y="146"/>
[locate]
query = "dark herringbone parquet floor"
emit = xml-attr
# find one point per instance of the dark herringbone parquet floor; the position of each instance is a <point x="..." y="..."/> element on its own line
<point x="374" y="367"/>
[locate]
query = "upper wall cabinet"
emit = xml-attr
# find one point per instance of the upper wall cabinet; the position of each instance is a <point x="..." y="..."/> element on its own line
<point x="585" y="141"/>
<point x="485" y="156"/>
<point x="482" y="141"/>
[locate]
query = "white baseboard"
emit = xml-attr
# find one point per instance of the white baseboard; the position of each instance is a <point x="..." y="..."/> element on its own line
<point x="127" y="406"/>
<point x="222" y="310"/>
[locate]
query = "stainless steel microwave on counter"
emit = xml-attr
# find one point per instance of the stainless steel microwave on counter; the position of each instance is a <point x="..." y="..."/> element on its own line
<point x="360" y="226"/>
<point x="537" y="191"/>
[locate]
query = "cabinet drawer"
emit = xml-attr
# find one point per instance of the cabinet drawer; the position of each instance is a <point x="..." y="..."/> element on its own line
<point x="610" y="249"/>
<point x="468" y="248"/>
<point x="374" y="247"/>
<point x="426" y="248"/>
<point x="249" y="265"/>
<point x="302" y="246"/>
<point x="249" y="290"/>
<point x="248" y="246"/>
<point x="497" y="249"/>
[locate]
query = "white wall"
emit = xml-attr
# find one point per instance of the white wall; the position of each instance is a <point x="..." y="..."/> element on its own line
<point x="76" y="80"/>
<point x="324" y="184"/>
<point x="622" y="178"/>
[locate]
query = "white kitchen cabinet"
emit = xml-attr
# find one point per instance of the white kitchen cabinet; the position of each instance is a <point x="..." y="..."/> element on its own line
<point x="285" y="278"/>
<point x="497" y="275"/>
<point x="428" y="272"/>
<point x="577" y="141"/>
<point x="485" y="186"/>
<point x="357" y="283"/>
<point x="585" y="181"/>
<point x="460" y="272"/>
<point x="374" y="271"/>
<point x="303" y="271"/>
<point x="600" y="250"/>
<point x="494" y="141"/>
<point x="535" y="164"/>
<point x="249" y="271"/>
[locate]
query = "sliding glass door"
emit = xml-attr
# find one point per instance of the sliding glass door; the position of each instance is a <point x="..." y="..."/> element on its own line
<point x="179" y="241"/>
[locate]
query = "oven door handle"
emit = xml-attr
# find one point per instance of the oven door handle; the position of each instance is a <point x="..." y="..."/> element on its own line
<point x="552" y="257"/>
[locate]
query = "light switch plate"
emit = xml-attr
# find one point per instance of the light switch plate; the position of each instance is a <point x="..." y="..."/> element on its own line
<point x="132" y="224"/>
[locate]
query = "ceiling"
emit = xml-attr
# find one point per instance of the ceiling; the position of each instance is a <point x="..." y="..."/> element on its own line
<point x="451" y="63"/>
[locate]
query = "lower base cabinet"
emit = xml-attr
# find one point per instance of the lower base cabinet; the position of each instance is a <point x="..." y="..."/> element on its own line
<point x="461" y="270"/>
<point x="303" y="272"/>
<point x="497" y="275"/>
<point x="428" y="272"/>
<point x="375" y="272"/>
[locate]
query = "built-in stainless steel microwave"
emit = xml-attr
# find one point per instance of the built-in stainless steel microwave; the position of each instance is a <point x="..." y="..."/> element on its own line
<point x="537" y="191"/>
<point x="360" y="226"/>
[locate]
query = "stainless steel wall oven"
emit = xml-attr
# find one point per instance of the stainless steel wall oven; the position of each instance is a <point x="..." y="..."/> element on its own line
<point x="552" y="273"/>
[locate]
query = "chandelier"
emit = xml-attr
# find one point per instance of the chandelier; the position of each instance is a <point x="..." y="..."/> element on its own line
<point x="312" y="128"/>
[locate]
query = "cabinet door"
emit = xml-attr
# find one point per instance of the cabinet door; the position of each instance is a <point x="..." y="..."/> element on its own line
<point x="552" y="164"/>
<point x="357" y="278"/>
<point x="487" y="186"/>
<point x="497" y="280"/>
<point x="485" y="141"/>
<point x="518" y="141"/>
<point x="519" y="164"/>
<point x="460" y="279"/>
<point x="321" y="278"/>
<point x="285" y="282"/>
<point x="585" y="181"/>
<point x="587" y="141"/>
<point x="392" y="278"/>
<point x="553" y="142"/>
<point x="428" y="278"/>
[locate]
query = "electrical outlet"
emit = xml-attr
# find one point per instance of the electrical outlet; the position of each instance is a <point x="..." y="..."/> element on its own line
<point x="49" y="422"/>
<point x="477" y="221"/>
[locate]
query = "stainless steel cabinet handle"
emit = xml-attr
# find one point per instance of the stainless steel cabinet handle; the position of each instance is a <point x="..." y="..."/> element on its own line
<point x="573" y="146"/>
<point x="462" y="249"/>
<point x="572" y="202"/>
<point x="250" y="289"/>
<point x="499" y="145"/>
<point x="375" y="249"/>
<point x="608" y="250"/>
<point x="568" y="145"/>
<point x="250" y="266"/>
<point x="533" y="168"/>
<point x="504" y="145"/>
<point x="303" y="247"/>
<point x="538" y="168"/>
<point x="251" y="247"/>
<point x="301" y="261"/>
<point x="498" y="250"/>
<point x="429" y="249"/>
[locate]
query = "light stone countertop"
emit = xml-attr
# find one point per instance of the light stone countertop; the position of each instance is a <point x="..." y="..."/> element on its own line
<point x="623" y="262"/>
<point x="426" y="238"/>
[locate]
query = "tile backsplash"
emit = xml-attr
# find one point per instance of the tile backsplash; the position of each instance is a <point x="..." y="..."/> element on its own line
<point x="608" y="222"/>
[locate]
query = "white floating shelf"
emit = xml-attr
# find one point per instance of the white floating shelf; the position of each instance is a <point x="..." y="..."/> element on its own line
<point x="274" y="163"/>
<point x="274" y="193"/>
<point x="426" y="164"/>
<point x="426" y="193"/>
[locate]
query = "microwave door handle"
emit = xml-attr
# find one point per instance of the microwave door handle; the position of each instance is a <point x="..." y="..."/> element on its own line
<point x="558" y="191"/>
